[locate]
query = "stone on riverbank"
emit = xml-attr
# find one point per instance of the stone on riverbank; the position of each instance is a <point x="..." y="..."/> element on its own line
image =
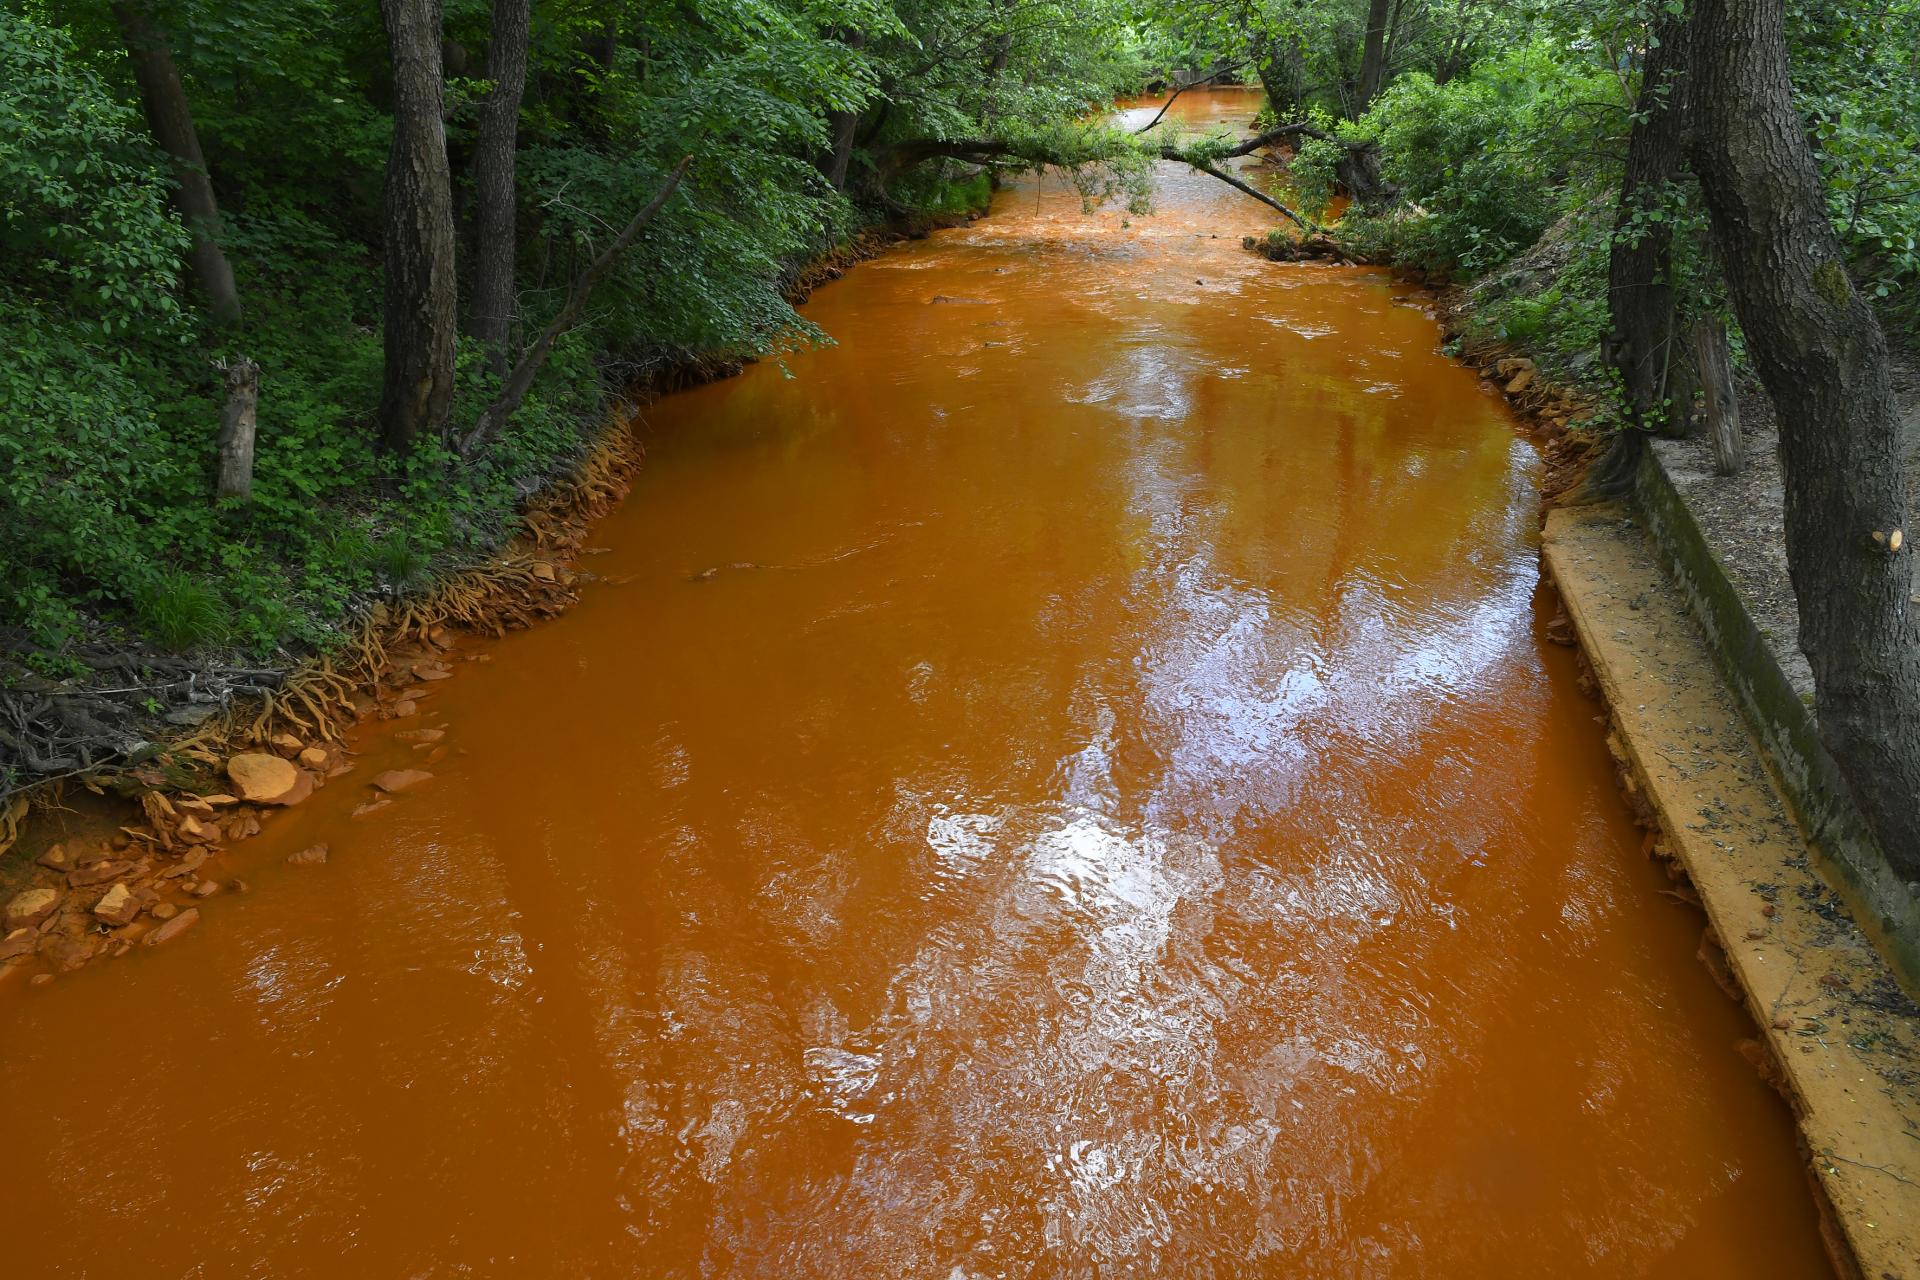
<point x="101" y="872"/>
<point x="30" y="906"/>
<point x="262" y="778"/>
<point x="117" y="906"/>
<point x="397" y="780"/>
<point x="168" y="930"/>
<point x="64" y="953"/>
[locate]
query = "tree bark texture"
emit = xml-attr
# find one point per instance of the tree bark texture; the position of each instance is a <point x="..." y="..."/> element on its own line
<point x="1373" y="55"/>
<point x="1823" y="358"/>
<point x="841" y="128"/>
<point x="1715" y="365"/>
<point x="164" y="100"/>
<point x="242" y="377"/>
<point x="1640" y="263"/>
<point x="420" y="301"/>
<point x="1282" y="67"/>
<point x="490" y="316"/>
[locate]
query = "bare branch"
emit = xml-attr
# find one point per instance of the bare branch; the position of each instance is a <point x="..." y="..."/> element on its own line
<point x="1215" y="74"/>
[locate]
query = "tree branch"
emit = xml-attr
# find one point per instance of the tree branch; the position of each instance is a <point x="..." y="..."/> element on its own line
<point x="1238" y="185"/>
<point x="1211" y="75"/>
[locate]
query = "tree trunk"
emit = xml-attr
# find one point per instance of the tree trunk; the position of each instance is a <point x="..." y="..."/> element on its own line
<point x="1715" y="365"/>
<point x="420" y="302"/>
<point x="1821" y="354"/>
<point x="495" y="234"/>
<point x="1358" y="170"/>
<point x="236" y="429"/>
<point x="1373" y="55"/>
<point x="1640" y="263"/>
<point x="164" y="101"/>
<point x="841" y="127"/>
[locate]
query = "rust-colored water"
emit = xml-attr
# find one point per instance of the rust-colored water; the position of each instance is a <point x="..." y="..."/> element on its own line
<point x="1124" y="823"/>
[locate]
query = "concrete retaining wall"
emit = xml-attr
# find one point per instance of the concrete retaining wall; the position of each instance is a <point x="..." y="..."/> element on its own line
<point x="1783" y="724"/>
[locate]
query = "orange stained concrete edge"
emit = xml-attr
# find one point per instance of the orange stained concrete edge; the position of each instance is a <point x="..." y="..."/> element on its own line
<point x="1848" y="1059"/>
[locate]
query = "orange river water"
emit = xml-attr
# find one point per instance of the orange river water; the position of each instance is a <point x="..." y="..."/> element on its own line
<point x="1113" y="812"/>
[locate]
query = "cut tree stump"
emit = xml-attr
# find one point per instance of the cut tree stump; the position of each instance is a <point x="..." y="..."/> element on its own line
<point x="236" y="428"/>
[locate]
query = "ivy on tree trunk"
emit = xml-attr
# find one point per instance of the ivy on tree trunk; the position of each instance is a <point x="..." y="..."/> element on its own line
<point x="1640" y="299"/>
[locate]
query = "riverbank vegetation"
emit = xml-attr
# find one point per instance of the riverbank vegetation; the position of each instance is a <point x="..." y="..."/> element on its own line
<point x="304" y="299"/>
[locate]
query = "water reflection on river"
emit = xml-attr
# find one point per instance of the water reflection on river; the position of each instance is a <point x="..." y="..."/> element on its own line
<point x="1110" y="813"/>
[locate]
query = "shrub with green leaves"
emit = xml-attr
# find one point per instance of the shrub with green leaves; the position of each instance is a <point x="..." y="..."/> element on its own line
<point x="83" y="193"/>
<point x="1482" y="161"/>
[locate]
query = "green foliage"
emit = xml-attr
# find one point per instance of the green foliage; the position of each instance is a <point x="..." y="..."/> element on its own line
<point x="1101" y="162"/>
<point x="1484" y="162"/>
<point x="1307" y="53"/>
<point x="1856" y="78"/>
<point x="84" y="222"/>
<point x="1552" y="302"/>
<point x="1314" y="173"/>
<point x="107" y="514"/>
<point x="179" y="610"/>
<point x="78" y="440"/>
<point x="1501" y="118"/>
<point x="400" y="564"/>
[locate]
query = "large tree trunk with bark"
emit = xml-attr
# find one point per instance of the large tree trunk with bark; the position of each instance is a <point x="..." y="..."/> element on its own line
<point x="164" y="100"/>
<point x="1358" y="170"/>
<point x="1373" y="55"/>
<point x="420" y="301"/>
<point x="841" y="128"/>
<point x="1640" y="301"/>
<point x="1821" y="354"/>
<point x="490" y="317"/>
